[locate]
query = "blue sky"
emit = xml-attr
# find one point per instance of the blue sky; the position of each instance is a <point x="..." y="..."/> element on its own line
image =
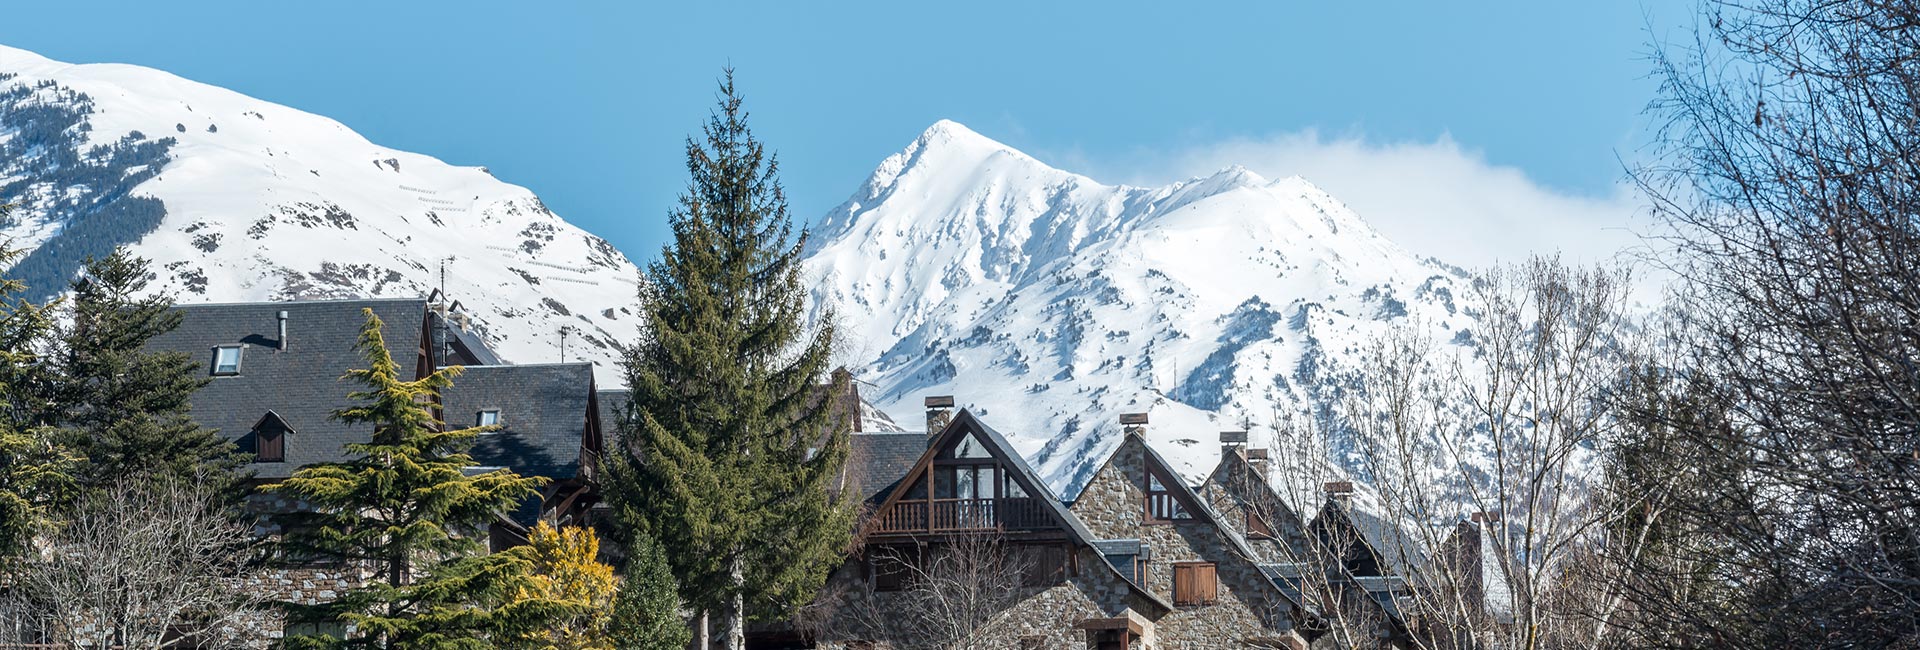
<point x="1524" y="109"/>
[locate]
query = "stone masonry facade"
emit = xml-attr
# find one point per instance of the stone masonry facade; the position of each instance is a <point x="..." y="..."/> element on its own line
<point x="1248" y="607"/>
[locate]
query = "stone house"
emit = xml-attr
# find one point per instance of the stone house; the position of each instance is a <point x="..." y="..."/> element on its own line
<point x="1310" y="564"/>
<point x="961" y="538"/>
<point x="1226" y="592"/>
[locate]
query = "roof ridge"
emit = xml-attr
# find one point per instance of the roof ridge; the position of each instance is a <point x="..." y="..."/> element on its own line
<point x="236" y="303"/>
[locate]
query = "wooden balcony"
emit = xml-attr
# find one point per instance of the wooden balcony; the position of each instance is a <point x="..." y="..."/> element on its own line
<point x="952" y="515"/>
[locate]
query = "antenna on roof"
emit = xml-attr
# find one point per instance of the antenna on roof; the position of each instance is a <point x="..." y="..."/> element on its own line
<point x="563" y="342"/>
<point x="443" y="275"/>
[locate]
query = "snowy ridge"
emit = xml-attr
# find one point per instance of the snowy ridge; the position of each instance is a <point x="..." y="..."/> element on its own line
<point x="265" y="202"/>
<point x="1052" y="303"/>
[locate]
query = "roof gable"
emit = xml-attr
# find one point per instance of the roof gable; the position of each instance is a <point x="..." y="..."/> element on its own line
<point x="965" y="425"/>
<point x="1202" y="511"/>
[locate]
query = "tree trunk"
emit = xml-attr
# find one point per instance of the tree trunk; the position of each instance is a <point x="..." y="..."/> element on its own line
<point x="706" y="637"/>
<point x="737" y="619"/>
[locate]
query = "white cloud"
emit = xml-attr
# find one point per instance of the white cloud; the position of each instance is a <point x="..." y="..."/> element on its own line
<point x="1433" y="198"/>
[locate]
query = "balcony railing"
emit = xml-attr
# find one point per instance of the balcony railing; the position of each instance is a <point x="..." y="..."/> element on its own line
<point x="946" y="515"/>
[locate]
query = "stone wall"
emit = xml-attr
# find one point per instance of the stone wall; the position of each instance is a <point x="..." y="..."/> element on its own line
<point x="1248" y="606"/>
<point x="1042" y="617"/>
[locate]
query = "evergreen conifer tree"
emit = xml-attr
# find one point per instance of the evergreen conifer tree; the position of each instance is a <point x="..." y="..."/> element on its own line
<point x="126" y="407"/>
<point x="646" y="613"/>
<point x="406" y="505"/>
<point x="728" y="448"/>
<point x="35" y="471"/>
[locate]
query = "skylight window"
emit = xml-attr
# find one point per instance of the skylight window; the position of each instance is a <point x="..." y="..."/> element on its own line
<point x="226" y="360"/>
<point x="487" y="418"/>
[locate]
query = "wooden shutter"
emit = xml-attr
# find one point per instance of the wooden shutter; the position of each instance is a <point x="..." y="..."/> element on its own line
<point x="1183" y="584"/>
<point x="1257" y="527"/>
<point x="269" y="445"/>
<point x="1205" y="588"/>
<point x="1194" y="584"/>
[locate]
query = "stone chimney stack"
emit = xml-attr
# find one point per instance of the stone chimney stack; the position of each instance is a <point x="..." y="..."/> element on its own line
<point x="1134" y="424"/>
<point x="282" y="342"/>
<point x="939" y="413"/>
<point x="1232" y="442"/>
<point x="1341" y="491"/>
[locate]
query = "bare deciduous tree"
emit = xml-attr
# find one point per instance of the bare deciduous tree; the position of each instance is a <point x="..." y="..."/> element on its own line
<point x="954" y="594"/>
<point x="1481" y="464"/>
<point x="1789" y="174"/>
<point x="147" y="565"/>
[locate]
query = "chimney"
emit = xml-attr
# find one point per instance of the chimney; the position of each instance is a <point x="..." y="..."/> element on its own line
<point x="1486" y="517"/>
<point x="1231" y="442"/>
<point x="1256" y="456"/>
<point x="282" y="345"/>
<point x="1341" y="491"/>
<point x="1134" y="424"/>
<point x="939" y="413"/>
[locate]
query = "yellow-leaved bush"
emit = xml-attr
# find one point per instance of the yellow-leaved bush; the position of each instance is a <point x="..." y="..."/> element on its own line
<point x="565" y="567"/>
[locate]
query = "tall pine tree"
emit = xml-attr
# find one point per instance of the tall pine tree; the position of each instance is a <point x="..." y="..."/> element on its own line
<point x="127" y="407"/>
<point x="35" y="471"/>
<point x="728" y="449"/>
<point x="406" y="506"/>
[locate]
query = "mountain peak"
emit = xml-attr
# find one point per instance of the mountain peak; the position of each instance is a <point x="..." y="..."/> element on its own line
<point x="948" y="140"/>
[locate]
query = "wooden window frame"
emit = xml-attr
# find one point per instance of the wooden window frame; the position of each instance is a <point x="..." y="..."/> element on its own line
<point x="1190" y="597"/>
<point x="1172" y="496"/>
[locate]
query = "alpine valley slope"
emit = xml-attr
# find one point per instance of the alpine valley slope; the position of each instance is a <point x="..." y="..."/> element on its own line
<point x="1050" y="303"/>
<point x="238" y="199"/>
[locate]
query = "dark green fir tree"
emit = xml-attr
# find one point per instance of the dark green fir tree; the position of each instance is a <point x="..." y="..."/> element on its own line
<point x="35" y="470"/>
<point x="127" y="407"/>
<point x="646" y="613"/>
<point x="408" y="506"/>
<point x="727" y="451"/>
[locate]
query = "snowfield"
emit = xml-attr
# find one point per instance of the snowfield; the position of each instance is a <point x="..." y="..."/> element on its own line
<point x="1051" y="303"/>
<point x="265" y="202"/>
<point x="1046" y="301"/>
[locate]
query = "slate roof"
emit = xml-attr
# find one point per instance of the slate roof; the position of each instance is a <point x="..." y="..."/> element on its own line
<point x="302" y="383"/>
<point x="611" y="402"/>
<point x="1397" y="552"/>
<point x="878" y="460"/>
<point x="543" y="415"/>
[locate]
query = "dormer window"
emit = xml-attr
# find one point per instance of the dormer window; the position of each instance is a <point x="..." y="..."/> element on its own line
<point x="226" y="360"/>
<point x="270" y="439"/>
<point x="487" y="418"/>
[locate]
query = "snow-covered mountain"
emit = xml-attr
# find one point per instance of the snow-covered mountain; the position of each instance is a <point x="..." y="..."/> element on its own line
<point x="1051" y="303"/>
<point x="238" y="199"/>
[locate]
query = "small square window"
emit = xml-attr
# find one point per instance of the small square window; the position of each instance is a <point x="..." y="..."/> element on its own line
<point x="226" y="360"/>
<point x="487" y="418"/>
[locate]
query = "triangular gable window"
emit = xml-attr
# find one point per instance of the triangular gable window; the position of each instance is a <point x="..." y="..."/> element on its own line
<point x="968" y="446"/>
<point x="1164" y="503"/>
<point x="967" y="485"/>
<point x="1257" y="527"/>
